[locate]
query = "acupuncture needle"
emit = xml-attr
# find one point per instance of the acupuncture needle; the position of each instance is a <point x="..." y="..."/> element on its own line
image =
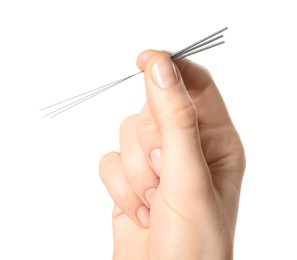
<point x="183" y="53"/>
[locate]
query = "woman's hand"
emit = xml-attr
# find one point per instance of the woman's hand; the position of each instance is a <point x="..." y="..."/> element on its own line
<point x="176" y="181"/>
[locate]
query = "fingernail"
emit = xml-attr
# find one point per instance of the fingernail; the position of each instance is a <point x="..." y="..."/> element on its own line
<point x="164" y="72"/>
<point x="156" y="158"/>
<point x="149" y="195"/>
<point x="143" y="215"/>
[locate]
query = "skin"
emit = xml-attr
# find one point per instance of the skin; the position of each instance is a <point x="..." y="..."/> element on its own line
<point x="176" y="180"/>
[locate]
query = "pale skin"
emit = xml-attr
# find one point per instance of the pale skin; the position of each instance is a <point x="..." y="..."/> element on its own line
<point x="176" y="180"/>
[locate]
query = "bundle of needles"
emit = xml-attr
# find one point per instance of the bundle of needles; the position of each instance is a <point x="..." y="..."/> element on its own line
<point x="199" y="46"/>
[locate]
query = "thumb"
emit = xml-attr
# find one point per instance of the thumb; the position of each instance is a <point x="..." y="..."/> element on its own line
<point x="184" y="169"/>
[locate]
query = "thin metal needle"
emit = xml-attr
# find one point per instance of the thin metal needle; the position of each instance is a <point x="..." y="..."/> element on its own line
<point x="197" y="46"/>
<point x="99" y="90"/>
<point x="199" y="50"/>
<point x="65" y="108"/>
<point x="185" y="52"/>
<point x="195" y="43"/>
<point x="112" y="83"/>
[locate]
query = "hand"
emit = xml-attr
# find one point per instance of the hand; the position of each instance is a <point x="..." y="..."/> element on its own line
<point x="176" y="181"/>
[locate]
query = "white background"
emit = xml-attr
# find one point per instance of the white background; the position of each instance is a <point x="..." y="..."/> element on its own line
<point x="52" y="203"/>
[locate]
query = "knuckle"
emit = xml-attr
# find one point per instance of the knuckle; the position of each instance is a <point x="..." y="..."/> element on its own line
<point x="184" y="116"/>
<point x="135" y="172"/>
<point x="241" y="160"/>
<point x="128" y="122"/>
<point x="107" y="160"/>
<point x="124" y="194"/>
<point x="146" y="130"/>
<point x="205" y="71"/>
